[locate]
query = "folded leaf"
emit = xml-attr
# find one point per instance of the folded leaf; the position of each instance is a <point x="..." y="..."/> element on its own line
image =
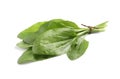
<point x="54" y="42"/>
<point x="78" y="48"/>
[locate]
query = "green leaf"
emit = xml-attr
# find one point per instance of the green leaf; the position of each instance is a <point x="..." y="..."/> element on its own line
<point x="29" y="39"/>
<point x="48" y="25"/>
<point x="78" y="48"/>
<point x="101" y="25"/>
<point x="35" y="27"/>
<point x="54" y="42"/>
<point x="66" y="23"/>
<point x="56" y="23"/>
<point x="70" y="24"/>
<point x="28" y="57"/>
<point x="52" y="38"/>
<point x="23" y="45"/>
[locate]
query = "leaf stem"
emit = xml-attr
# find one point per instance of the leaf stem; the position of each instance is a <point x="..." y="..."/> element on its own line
<point x="93" y="29"/>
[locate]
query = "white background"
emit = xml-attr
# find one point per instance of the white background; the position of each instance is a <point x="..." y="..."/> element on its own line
<point x="102" y="58"/>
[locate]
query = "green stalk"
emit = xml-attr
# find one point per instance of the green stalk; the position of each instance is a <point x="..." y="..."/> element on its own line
<point x="90" y="29"/>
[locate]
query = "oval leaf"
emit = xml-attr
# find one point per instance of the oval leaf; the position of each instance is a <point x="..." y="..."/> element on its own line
<point x="54" y="42"/>
<point x="77" y="49"/>
<point x="55" y="23"/>
<point x="35" y="27"/>
<point x="28" y="57"/>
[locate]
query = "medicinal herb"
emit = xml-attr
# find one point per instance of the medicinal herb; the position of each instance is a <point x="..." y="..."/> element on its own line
<point x="53" y="38"/>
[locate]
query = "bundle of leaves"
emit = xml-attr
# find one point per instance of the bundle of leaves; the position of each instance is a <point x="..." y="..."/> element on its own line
<point x="53" y="38"/>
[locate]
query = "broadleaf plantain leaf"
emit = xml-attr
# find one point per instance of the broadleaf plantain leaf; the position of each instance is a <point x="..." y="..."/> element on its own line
<point x="54" y="42"/>
<point x="28" y="57"/>
<point x="78" y="48"/>
<point x="56" y="23"/>
<point x="35" y="27"/>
